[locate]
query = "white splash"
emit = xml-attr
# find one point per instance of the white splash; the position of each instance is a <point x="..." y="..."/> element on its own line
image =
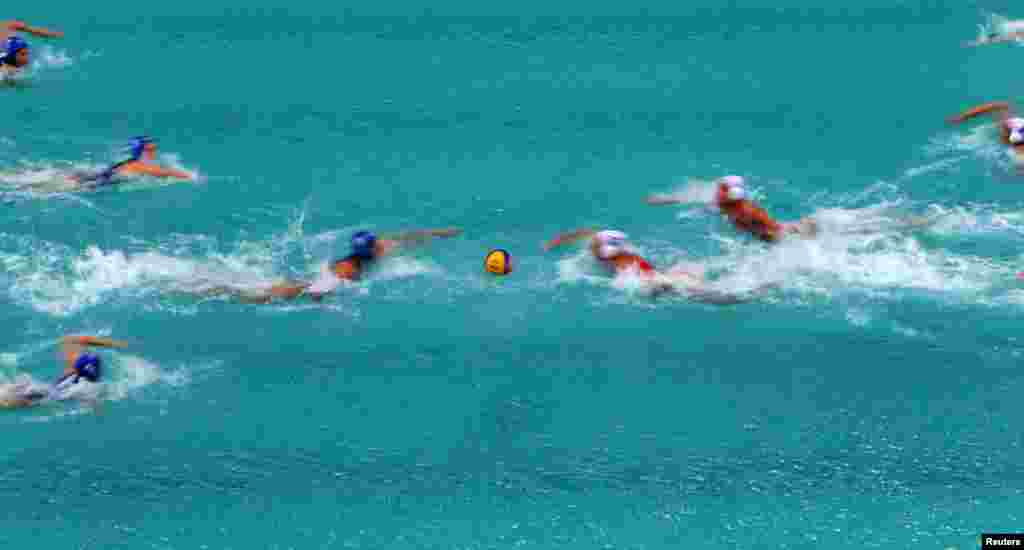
<point x="695" y="191"/>
<point x="872" y="251"/>
<point x="130" y="373"/>
<point x="49" y="57"/>
<point x="52" y="281"/>
<point x="125" y="377"/>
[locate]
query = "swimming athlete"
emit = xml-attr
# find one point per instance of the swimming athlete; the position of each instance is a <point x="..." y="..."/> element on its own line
<point x="1009" y="31"/>
<point x="1011" y="128"/>
<point x="15" y="54"/>
<point x="79" y="364"/>
<point x="366" y="250"/>
<point x="612" y="249"/>
<point x="140" y="163"/>
<point x="732" y="199"/>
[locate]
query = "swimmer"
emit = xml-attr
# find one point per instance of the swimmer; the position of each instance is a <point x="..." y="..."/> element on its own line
<point x="79" y="364"/>
<point x="15" y="54"/>
<point x="1011" y="128"/>
<point x="732" y="199"/>
<point x="366" y="250"/>
<point x="612" y="249"/>
<point x="1009" y="31"/>
<point x="140" y="163"/>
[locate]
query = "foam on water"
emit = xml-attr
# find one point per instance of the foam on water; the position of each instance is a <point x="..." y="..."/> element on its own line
<point x="125" y="376"/>
<point x="42" y="60"/>
<point x="980" y="140"/>
<point x="174" y="161"/>
<point x="857" y="251"/>
<point x="49" y="57"/>
<point x="999" y="25"/>
<point x="836" y="263"/>
<point x="696" y="191"/>
<point x="131" y="373"/>
<point x="54" y="279"/>
<point x="46" y="179"/>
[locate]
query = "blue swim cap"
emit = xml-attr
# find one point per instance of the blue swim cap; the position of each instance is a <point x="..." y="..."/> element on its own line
<point x="138" y="145"/>
<point x="89" y="366"/>
<point x="363" y="244"/>
<point x="15" y="44"/>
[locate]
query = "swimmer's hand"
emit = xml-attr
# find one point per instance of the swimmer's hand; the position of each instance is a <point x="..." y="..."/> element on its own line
<point x="446" y="232"/>
<point x="567" y="238"/>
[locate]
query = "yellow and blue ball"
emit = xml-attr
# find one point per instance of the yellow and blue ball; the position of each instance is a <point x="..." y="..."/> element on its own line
<point x="498" y="262"/>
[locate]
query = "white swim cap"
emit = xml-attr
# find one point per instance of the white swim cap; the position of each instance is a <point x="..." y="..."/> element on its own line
<point x="733" y="181"/>
<point x="736" y="193"/>
<point x="734" y="188"/>
<point x="1016" y="126"/>
<point x="610" y="244"/>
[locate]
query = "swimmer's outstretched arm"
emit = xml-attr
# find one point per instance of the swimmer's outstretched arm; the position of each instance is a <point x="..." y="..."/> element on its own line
<point x="172" y="173"/>
<point x="14" y="26"/>
<point x="422" y="235"/>
<point x="1000" y="107"/>
<point x="93" y="341"/>
<point x="159" y="172"/>
<point x="388" y="244"/>
<point x="567" y="238"/>
<point x="285" y="290"/>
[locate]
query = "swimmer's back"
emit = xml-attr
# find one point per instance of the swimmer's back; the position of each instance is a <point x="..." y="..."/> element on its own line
<point x="626" y="261"/>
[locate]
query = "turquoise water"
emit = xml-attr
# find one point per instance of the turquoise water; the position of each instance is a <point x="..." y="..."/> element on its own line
<point x="872" y="401"/>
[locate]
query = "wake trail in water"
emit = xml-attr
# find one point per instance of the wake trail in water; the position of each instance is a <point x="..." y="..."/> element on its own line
<point x="60" y="281"/>
<point x="125" y="376"/>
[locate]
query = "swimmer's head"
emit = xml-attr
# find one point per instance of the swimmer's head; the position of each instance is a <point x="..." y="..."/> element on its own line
<point x="16" y="51"/>
<point x="1015" y="127"/>
<point x="608" y="244"/>
<point x="89" y="366"/>
<point x="364" y="245"/>
<point x="143" y="144"/>
<point x="731" y="189"/>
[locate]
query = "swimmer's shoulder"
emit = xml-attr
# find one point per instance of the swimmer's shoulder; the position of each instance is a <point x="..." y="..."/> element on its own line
<point x="348" y="268"/>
